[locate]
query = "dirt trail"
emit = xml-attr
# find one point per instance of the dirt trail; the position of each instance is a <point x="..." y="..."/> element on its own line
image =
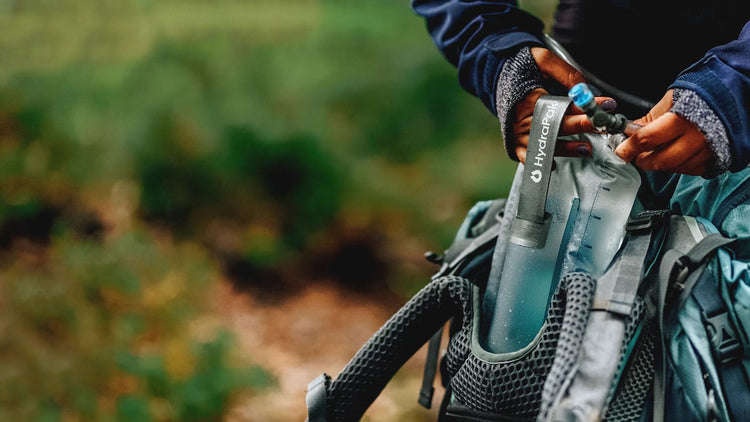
<point x="316" y="330"/>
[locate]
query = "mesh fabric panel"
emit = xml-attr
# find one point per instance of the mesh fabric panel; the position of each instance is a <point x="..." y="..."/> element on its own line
<point x="377" y="361"/>
<point x="571" y="337"/>
<point x="514" y="388"/>
<point x="630" y="397"/>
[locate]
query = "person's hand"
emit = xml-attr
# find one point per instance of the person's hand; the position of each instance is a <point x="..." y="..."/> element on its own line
<point x="667" y="142"/>
<point x="555" y="68"/>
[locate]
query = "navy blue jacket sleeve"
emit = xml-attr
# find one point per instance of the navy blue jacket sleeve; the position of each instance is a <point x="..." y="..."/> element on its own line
<point x="722" y="79"/>
<point x="477" y="36"/>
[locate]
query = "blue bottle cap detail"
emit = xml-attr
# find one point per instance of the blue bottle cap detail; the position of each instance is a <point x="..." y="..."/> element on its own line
<point x="581" y="94"/>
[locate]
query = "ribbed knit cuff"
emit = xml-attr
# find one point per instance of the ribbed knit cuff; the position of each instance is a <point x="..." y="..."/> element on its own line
<point x="686" y="103"/>
<point x="519" y="76"/>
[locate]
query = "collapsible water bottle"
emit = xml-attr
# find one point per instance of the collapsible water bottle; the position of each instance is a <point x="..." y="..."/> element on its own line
<point x="569" y="219"/>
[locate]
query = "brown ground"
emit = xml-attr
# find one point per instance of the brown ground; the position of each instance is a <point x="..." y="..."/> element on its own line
<point x="315" y="330"/>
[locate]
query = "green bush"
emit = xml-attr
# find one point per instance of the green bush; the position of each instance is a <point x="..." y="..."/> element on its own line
<point x="272" y="121"/>
<point x="112" y="331"/>
<point x="292" y="186"/>
<point x="318" y="138"/>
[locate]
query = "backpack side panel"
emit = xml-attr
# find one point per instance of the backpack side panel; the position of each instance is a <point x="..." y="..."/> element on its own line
<point x="689" y="356"/>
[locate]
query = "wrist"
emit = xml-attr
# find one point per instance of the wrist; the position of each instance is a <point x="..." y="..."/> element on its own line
<point x="690" y="106"/>
<point x="519" y="76"/>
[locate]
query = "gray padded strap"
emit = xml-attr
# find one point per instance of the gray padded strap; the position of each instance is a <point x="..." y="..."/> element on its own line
<point x="630" y="274"/>
<point x="528" y="227"/>
<point x="675" y="267"/>
<point x="317" y="393"/>
<point x="620" y="284"/>
<point x="618" y="287"/>
<point x="708" y="246"/>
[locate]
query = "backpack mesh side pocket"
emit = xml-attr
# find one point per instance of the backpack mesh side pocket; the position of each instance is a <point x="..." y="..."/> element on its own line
<point x="514" y="388"/>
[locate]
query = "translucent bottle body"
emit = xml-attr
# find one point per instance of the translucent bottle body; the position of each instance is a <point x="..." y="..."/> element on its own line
<point x="587" y="207"/>
<point x="528" y="280"/>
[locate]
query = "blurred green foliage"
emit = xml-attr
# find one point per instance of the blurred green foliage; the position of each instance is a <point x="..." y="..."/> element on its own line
<point x="112" y="332"/>
<point x="317" y="138"/>
<point x="264" y="121"/>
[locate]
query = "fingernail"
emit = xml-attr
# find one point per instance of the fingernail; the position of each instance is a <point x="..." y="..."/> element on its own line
<point x="583" y="150"/>
<point x="608" y="105"/>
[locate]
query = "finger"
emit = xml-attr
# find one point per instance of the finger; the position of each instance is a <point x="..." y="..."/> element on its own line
<point x="575" y="124"/>
<point x="521" y="154"/>
<point x="694" y="166"/>
<point x="664" y="160"/>
<point x="607" y="104"/>
<point x="573" y="149"/>
<point x="658" y="110"/>
<point x="675" y="153"/>
<point x="553" y="67"/>
<point x="526" y="107"/>
<point x="652" y="136"/>
<point x="685" y="154"/>
<point x="522" y="123"/>
<point x="521" y="131"/>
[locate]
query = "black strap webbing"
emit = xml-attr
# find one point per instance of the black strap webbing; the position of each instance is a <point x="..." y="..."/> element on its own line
<point x="317" y="394"/>
<point x="694" y="258"/>
<point x="430" y="370"/>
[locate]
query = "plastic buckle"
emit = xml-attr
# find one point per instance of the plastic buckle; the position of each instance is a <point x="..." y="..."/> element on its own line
<point x="723" y="337"/>
<point x="645" y="220"/>
<point x="434" y="258"/>
<point x="316" y="399"/>
<point x="425" y="397"/>
<point x="679" y="273"/>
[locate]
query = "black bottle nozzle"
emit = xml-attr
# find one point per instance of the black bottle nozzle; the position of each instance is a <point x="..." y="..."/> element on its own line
<point x="584" y="99"/>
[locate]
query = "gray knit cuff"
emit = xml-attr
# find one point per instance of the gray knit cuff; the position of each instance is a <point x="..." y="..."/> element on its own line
<point x="686" y="103"/>
<point x="519" y="76"/>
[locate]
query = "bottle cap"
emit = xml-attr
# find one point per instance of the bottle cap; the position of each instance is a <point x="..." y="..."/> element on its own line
<point x="581" y="94"/>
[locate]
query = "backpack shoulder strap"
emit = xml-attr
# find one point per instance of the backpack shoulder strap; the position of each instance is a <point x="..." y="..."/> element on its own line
<point x="377" y="361"/>
<point x="478" y="231"/>
<point x="477" y="235"/>
<point x="609" y="329"/>
<point x="618" y="287"/>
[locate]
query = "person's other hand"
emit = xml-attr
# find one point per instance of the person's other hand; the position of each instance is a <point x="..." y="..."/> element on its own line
<point x="667" y="142"/>
<point x="555" y="68"/>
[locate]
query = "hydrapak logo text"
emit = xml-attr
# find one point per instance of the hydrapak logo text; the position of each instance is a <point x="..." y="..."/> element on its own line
<point x="541" y="155"/>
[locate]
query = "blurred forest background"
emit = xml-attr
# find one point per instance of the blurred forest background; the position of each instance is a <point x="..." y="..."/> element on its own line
<point x="203" y="205"/>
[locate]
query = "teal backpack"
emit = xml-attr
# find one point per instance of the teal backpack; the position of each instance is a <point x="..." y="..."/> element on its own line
<point x="649" y="322"/>
<point x="703" y="305"/>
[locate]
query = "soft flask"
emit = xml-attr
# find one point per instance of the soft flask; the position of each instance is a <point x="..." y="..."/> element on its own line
<point x="565" y="217"/>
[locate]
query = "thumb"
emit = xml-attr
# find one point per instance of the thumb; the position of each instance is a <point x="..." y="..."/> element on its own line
<point x="553" y="67"/>
<point x="663" y="106"/>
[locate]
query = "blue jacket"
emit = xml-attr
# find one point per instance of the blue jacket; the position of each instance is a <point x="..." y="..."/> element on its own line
<point x="722" y="79"/>
<point x="477" y="36"/>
